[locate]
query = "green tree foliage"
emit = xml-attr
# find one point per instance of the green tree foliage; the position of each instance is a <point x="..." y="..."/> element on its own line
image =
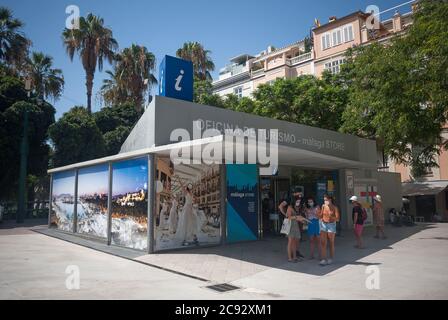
<point x="132" y="77"/>
<point x="115" y="123"/>
<point x="13" y="43"/>
<point x="305" y="100"/>
<point x="13" y="102"/>
<point x="47" y="82"/>
<point x="76" y="138"/>
<point x="115" y="138"/>
<point x="399" y="92"/>
<point x="80" y="136"/>
<point x="94" y="43"/>
<point x="202" y="62"/>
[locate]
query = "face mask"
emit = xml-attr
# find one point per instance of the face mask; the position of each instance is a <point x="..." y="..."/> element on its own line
<point x="311" y="203"/>
<point x="327" y="202"/>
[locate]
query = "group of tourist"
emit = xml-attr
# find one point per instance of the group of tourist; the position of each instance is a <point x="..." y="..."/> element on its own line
<point x="322" y="222"/>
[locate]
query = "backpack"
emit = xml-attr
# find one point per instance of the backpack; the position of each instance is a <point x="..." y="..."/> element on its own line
<point x="364" y="214"/>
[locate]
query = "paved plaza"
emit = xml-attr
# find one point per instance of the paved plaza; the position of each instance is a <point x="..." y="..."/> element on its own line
<point x="411" y="264"/>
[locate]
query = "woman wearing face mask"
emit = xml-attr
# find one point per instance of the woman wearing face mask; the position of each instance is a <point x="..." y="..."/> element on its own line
<point x="328" y="216"/>
<point x="312" y="212"/>
<point x="290" y="213"/>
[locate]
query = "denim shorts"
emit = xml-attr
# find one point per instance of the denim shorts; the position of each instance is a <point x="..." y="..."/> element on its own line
<point x="313" y="228"/>
<point x="328" y="226"/>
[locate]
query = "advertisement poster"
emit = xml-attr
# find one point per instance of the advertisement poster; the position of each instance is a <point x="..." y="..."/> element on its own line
<point x="63" y="201"/>
<point x="366" y="194"/>
<point x="130" y="203"/>
<point x="242" y="202"/>
<point x="93" y="185"/>
<point x="187" y="204"/>
<point x="321" y="190"/>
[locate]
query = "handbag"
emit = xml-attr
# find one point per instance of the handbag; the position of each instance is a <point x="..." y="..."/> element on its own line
<point x="286" y="226"/>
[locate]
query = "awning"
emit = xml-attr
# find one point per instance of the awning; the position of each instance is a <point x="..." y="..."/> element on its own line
<point x="287" y="155"/>
<point x="424" y="188"/>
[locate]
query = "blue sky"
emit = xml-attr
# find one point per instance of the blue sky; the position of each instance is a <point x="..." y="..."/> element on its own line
<point x="227" y="28"/>
<point x="64" y="183"/>
<point x="93" y="180"/>
<point x="130" y="176"/>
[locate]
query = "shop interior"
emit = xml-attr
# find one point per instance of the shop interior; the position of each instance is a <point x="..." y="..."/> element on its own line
<point x="300" y="182"/>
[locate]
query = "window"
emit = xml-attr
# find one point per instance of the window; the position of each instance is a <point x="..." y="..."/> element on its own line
<point x="238" y="91"/>
<point x="337" y="37"/>
<point x="334" y="66"/>
<point x="348" y="33"/>
<point x="326" y="41"/>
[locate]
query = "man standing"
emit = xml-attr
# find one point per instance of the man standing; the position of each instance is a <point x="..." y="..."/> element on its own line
<point x="358" y="216"/>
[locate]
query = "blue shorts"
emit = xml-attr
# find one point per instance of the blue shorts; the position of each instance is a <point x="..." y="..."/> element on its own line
<point x="313" y="228"/>
<point x="328" y="227"/>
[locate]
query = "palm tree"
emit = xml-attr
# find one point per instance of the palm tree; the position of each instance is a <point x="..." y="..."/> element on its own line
<point x="94" y="43"/>
<point x="111" y="91"/>
<point x="47" y="82"/>
<point x="202" y="63"/>
<point x="132" y="78"/>
<point x="13" y="44"/>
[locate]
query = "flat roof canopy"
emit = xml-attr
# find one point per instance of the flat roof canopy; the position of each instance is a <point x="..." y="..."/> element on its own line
<point x="286" y="155"/>
<point x="424" y="188"/>
<point x="165" y="117"/>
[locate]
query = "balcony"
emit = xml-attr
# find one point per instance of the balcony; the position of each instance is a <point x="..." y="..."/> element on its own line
<point x="232" y="70"/>
<point x="300" y="58"/>
<point x="256" y="73"/>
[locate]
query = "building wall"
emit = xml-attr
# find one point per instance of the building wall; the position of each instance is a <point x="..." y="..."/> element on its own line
<point x="247" y="89"/>
<point x="403" y="170"/>
<point x="320" y="53"/>
<point x="443" y="160"/>
<point x="441" y="205"/>
<point x="276" y="61"/>
<point x="388" y="185"/>
<point x="303" y="69"/>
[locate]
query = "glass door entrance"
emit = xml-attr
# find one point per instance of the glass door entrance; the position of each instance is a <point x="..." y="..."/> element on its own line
<point x="273" y="190"/>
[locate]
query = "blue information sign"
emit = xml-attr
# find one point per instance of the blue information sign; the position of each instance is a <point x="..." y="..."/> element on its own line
<point x="176" y="78"/>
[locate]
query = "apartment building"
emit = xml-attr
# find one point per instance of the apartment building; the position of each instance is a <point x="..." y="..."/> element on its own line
<point x="331" y="41"/>
<point x="246" y="72"/>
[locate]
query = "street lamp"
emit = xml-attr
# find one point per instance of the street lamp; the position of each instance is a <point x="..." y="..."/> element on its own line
<point x="21" y="207"/>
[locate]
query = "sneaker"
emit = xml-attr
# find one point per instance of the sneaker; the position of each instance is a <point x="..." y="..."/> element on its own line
<point x="329" y="261"/>
<point x="300" y="255"/>
<point x="323" y="262"/>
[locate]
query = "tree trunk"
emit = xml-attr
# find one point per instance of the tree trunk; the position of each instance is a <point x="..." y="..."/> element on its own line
<point x="89" y="86"/>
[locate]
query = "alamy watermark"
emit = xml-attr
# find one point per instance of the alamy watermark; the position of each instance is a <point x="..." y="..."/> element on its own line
<point x="72" y="21"/>
<point x="373" y="278"/>
<point x="373" y="21"/>
<point x="237" y="146"/>
<point x="73" y="280"/>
